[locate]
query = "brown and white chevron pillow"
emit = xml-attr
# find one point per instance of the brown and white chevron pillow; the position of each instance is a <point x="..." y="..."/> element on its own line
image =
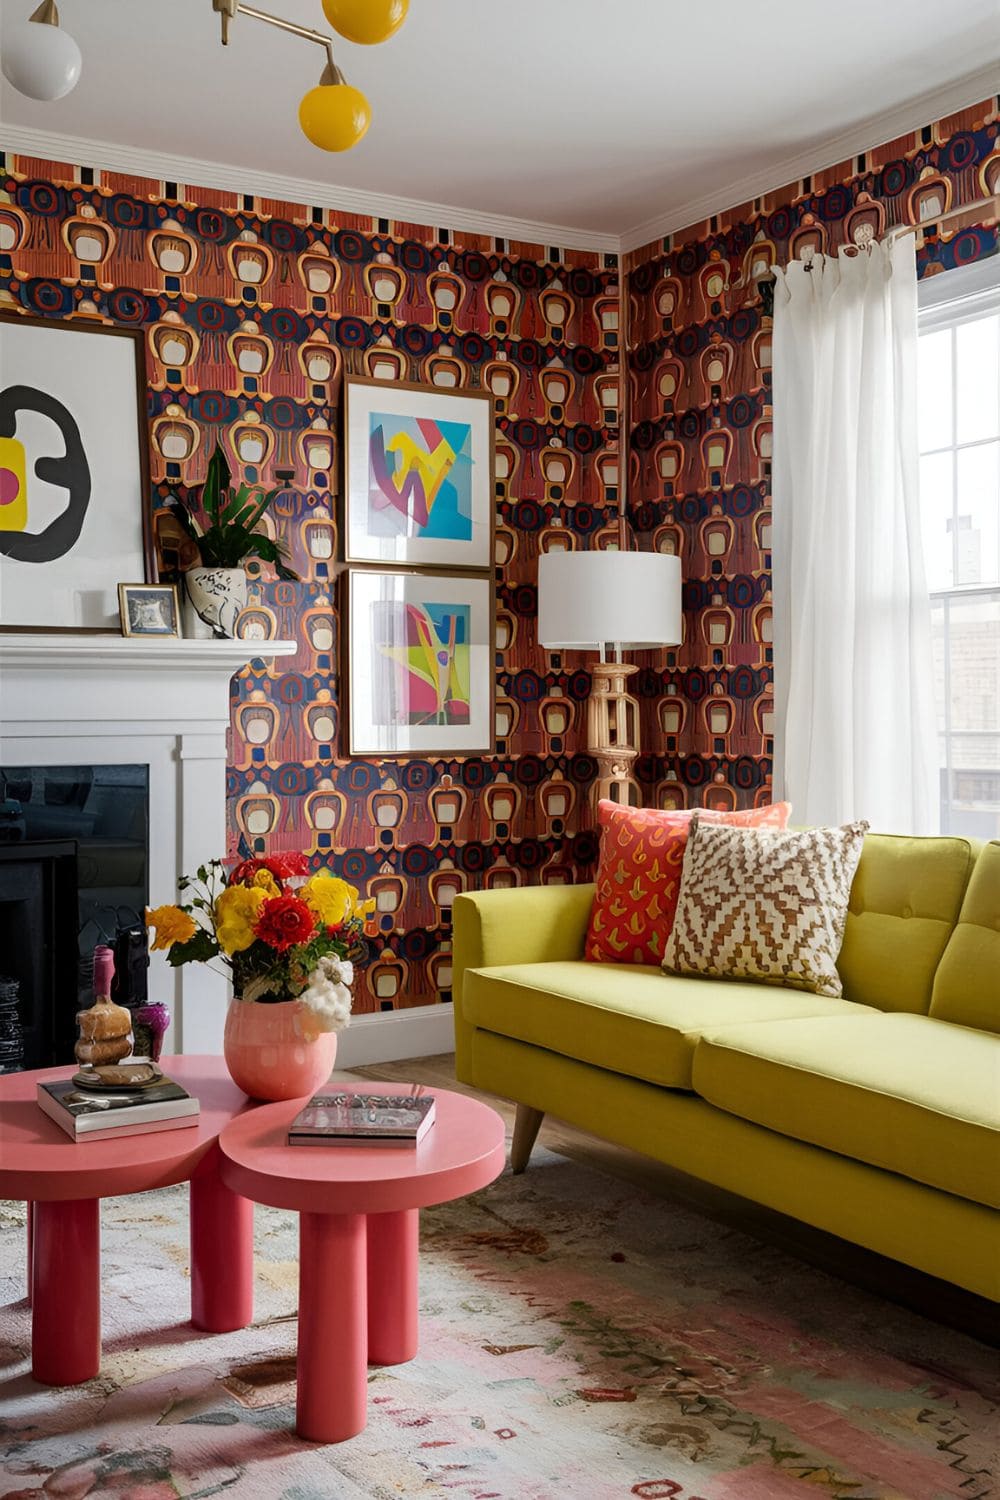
<point x="765" y="905"/>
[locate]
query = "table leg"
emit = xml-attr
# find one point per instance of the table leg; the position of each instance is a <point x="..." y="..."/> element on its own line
<point x="393" y="1259"/>
<point x="29" y="1221"/>
<point x="66" y="1292"/>
<point x="332" y="1395"/>
<point x="221" y="1229"/>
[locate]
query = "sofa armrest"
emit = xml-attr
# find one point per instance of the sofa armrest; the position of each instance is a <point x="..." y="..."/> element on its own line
<point x="529" y="924"/>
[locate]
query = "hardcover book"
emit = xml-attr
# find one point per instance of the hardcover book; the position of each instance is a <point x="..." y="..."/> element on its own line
<point x="93" y="1116"/>
<point x="363" y="1120"/>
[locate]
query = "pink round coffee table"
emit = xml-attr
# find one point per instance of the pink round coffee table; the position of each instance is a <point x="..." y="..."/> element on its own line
<point x="358" y="1237"/>
<point x="63" y="1181"/>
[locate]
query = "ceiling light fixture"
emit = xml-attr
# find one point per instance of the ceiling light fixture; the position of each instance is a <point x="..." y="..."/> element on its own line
<point x="333" y="115"/>
<point x="39" y="58"/>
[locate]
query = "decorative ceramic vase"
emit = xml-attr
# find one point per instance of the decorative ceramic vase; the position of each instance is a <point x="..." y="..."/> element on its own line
<point x="213" y="601"/>
<point x="149" y="1023"/>
<point x="277" y="1051"/>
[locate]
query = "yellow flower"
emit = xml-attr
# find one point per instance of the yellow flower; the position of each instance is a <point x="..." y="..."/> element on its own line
<point x="264" y="881"/>
<point x="331" y="898"/>
<point x="172" y="926"/>
<point x="236" y="912"/>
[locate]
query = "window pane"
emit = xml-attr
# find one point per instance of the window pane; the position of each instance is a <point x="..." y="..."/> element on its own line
<point x="978" y="514"/>
<point x="939" y="645"/>
<point x="935" y="510"/>
<point x="970" y="789"/>
<point x="934" y="389"/>
<point x="978" y="358"/>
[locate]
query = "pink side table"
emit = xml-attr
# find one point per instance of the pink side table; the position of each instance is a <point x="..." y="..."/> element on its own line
<point x="63" y="1181"/>
<point x="358" y="1238"/>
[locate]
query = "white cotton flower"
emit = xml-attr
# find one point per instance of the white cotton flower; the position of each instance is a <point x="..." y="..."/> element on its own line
<point x="328" y="993"/>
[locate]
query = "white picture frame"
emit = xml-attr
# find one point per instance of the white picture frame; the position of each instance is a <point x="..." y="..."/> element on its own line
<point x="419" y="673"/>
<point x="419" y="487"/>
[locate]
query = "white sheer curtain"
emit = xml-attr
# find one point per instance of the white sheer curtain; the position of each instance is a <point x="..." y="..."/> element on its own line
<point x="854" y="730"/>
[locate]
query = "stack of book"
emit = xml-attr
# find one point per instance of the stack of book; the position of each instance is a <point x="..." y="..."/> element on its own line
<point x="363" y="1120"/>
<point x="90" y="1115"/>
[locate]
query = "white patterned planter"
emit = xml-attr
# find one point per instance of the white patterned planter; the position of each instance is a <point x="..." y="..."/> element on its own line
<point x="213" y="601"/>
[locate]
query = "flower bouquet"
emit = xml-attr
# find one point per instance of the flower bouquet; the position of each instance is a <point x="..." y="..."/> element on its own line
<point x="282" y="934"/>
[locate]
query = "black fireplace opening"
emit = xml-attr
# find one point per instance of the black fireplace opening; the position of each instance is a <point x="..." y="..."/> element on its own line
<point x="74" y="873"/>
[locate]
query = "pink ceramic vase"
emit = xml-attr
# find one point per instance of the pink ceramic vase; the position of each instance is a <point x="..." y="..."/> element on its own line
<point x="276" y="1051"/>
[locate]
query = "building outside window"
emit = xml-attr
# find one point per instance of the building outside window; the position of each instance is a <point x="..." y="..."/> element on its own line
<point x="959" y="434"/>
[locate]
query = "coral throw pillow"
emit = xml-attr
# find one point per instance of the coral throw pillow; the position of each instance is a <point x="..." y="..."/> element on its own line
<point x="769" y="906"/>
<point x="639" y="876"/>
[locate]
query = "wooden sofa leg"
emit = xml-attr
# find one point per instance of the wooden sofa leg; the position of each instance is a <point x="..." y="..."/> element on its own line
<point x="526" y="1123"/>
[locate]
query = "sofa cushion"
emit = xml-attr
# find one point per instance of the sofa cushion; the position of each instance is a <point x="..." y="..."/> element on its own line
<point x="967" y="982"/>
<point x="764" y="905"/>
<point x="639" y="875"/>
<point x="907" y="1093"/>
<point x="627" y="1018"/>
<point x="904" y="903"/>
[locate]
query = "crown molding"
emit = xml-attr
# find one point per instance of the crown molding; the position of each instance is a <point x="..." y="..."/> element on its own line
<point x="873" y="132"/>
<point x="193" y="172"/>
<point x="105" y="156"/>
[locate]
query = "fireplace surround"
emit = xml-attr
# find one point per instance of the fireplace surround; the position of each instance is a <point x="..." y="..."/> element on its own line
<point x="81" y="698"/>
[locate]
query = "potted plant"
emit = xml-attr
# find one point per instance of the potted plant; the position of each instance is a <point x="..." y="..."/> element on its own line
<point x="289" y="942"/>
<point x="215" y="591"/>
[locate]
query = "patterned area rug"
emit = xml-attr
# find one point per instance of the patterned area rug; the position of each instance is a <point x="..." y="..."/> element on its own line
<point x="580" y="1340"/>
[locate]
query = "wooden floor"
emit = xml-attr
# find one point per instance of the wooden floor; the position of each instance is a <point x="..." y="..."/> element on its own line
<point x="935" y="1299"/>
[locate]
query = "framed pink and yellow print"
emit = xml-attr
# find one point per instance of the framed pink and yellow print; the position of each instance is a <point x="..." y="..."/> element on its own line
<point x="418" y="475"/>
<point x="419" y="665"/>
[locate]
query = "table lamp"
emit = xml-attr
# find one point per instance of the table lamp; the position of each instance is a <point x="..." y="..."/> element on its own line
<point x="588" y="601"/>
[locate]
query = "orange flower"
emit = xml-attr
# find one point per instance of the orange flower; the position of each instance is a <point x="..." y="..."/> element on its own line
<point x="172" y="926"/>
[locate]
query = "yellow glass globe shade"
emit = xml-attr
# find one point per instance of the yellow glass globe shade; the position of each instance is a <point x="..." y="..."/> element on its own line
<point x="366" y="21"/>
<point x="334" y="116"/>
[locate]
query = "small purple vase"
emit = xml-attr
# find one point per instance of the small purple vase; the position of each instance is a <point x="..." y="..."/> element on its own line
<point x="150" y="1023"/>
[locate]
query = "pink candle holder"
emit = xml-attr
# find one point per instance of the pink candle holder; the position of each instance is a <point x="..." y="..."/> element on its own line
<point x="149" y="1025"/>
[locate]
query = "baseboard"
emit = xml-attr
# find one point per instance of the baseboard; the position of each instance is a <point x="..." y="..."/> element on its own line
<point x="388" y="1036"/>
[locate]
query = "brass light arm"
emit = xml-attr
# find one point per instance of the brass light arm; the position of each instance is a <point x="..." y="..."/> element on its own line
<point x="227" y="9"/>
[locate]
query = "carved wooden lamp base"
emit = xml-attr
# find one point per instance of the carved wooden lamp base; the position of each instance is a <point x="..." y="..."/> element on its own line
<point x="613" y="733"/>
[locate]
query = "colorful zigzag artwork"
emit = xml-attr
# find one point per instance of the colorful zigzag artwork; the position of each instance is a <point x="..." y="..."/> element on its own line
<point x="420" y="477"/>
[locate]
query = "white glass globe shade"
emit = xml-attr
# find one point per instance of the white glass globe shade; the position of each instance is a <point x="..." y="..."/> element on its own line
<point x="40" y="60"/>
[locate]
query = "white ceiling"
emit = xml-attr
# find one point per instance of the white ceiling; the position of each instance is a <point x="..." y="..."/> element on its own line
<point x="602" y="115"/>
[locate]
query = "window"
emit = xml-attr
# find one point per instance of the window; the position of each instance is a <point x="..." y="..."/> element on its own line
<point x="959" y="433"/>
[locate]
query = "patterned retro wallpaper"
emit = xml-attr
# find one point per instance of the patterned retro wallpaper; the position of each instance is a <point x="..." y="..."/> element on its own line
<point x="253" y="311"/>
<point x="700" y="435"/>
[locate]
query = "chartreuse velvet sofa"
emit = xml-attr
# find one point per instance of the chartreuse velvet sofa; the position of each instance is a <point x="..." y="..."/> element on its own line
<point x="875" y="1117"/>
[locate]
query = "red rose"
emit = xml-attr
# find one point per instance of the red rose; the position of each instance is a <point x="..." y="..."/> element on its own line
<point x="283" y="866"/>
<point x="245" y="871"/>
<point x="285" y="921"/>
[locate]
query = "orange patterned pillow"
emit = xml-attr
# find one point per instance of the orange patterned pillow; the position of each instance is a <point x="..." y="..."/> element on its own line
<point x="639" y="876"/>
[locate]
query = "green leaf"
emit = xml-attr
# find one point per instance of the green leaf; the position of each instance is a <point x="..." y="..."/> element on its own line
<point x="273" y="552"/>
<point x="198" y="949"/>
<point x="216" y="483"/>
<point x="185" y="519"/>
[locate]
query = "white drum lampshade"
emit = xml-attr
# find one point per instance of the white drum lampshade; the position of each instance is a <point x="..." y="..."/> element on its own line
<point x="589" y="599"/>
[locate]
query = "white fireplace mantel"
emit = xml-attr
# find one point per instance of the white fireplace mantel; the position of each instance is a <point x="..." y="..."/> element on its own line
<point x="92" y="699"/>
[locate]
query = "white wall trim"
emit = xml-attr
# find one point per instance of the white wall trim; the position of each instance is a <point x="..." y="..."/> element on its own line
<point x="866" y="136"/>
<point x="387" y="1036"/>
<point x="190" y="172"/>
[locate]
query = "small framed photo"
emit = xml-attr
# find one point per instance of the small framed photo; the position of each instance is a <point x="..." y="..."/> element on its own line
<point x="419" y="668"/>
<point x="419" y="467"/>
<point x="149" y="609"/>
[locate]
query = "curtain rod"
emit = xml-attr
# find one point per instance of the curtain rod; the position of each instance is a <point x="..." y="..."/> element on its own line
<point x="953" y="213"/>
